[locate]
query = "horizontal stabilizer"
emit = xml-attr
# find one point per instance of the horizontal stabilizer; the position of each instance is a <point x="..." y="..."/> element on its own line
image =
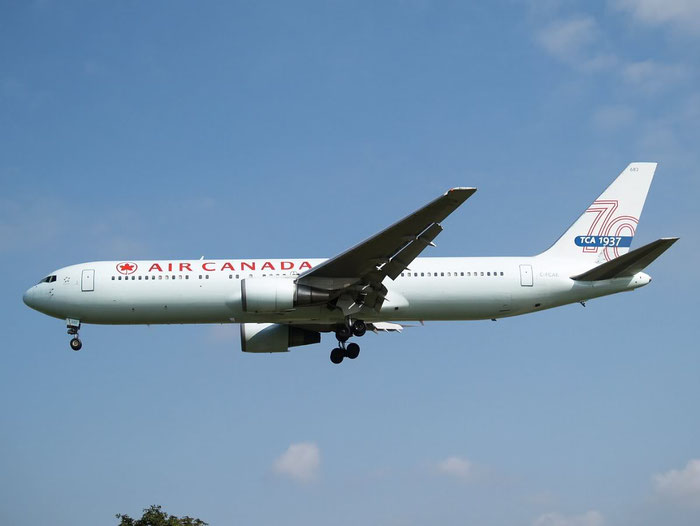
<point x="628" y="264"/>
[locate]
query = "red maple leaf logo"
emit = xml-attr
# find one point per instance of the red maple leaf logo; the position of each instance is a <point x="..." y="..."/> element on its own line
<point x="126" y="268"/>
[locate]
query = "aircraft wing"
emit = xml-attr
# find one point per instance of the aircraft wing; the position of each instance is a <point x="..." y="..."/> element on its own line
<point x="386" y="254"/>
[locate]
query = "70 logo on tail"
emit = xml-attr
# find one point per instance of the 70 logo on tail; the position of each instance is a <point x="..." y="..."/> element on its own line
<point x="606" y="229"/>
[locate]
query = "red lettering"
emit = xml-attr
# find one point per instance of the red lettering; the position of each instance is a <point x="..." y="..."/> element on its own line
<point x="251" y="266"/>
<point x="155" y="266"/>
<point x="170" y="267"/>
<point x="205" y="267"/>
<point x="286" y="265"/>
<point x="227" y="266"/>
<point x="305" y="264"/>
<point x="267" y="265"/>
<point x="185" y="266"/>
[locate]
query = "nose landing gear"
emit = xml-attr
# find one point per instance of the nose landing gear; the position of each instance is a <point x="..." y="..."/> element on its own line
<point x="73" y="328"/>
<point x="343" y="333"/>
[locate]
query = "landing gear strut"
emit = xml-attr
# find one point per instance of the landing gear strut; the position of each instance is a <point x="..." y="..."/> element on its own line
<point x="343" y="334"/>
<point x="73" y="328"/>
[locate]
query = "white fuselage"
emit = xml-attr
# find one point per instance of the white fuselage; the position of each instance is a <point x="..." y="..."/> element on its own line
<point x="209" y="291"/>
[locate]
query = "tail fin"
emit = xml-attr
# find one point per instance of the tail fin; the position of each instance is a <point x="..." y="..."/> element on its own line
<point x="606" y="228"/>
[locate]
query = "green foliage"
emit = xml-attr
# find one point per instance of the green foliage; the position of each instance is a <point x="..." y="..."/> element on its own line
<point x="155" y="516"/>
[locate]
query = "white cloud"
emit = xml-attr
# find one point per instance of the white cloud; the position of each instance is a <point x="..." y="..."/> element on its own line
<point x="650" y="75"/>
<point x="455" y="467"/>
<point x="680" y="14"/>
<point x="568" y="39"/>
<point x="681" y="485"/>
<point x="590" y="518"/>
<point x="611" y="118"/>
<point x="301" y="462"/>
<point x="576" y="41"/>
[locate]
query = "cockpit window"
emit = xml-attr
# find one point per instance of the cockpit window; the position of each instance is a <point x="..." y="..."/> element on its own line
<point x="48" y="279"/>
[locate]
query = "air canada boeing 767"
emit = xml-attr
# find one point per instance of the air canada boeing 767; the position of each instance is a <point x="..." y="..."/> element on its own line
<point x="375" y="285"/>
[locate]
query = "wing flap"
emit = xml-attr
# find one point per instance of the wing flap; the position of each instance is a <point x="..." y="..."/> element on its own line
<point x="628" y="264"/>
<point x="411" y="251"/>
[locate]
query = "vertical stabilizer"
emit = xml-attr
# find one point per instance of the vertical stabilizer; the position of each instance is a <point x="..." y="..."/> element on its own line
<point x="606" y="229"/>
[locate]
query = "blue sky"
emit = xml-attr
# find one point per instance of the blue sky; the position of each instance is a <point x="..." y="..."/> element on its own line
<point x="275" y="129"/>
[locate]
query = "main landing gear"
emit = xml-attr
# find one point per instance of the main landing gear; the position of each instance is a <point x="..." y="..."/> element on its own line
<point x="73" y="328"/>
<point x="343" y="333"/>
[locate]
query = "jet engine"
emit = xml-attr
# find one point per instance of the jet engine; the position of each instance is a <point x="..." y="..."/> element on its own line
<point x="278" y="295"/>
<point x="274" y="337"/>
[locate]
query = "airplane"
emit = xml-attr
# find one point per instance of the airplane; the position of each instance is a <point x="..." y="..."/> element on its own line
<point x="377" y="285"/>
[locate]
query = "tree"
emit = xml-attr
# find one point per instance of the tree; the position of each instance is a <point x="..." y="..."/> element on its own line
<point x="155" y="516"/>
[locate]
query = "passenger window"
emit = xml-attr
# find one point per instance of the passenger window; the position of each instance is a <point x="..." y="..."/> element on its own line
<point x="230" y="276"/>
<point x="482" y="273"/>
<point x="200" y="276"/>
<point x="119" y="278"/>
<point x="187" y="276"/>
<point x="462" y="273"/>
<point x="207" y="276"/>
<point x="112" y="278"/>
<point x="423" y="274"/>
<point x="429" y="274"/>
<point x="237" y="277"/>
<point x="442" y="274"/>
<point x="501" y="273"/>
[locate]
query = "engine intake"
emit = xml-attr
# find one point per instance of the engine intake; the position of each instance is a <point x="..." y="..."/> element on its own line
<point x="278" y="295"/>
<point x="274" y="337"/>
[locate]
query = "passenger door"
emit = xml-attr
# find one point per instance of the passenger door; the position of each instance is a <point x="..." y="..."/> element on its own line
<point x="87" y="282"/>
<point x="526" y="275"/>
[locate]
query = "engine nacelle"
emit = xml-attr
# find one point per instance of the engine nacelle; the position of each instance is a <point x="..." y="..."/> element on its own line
<point x="278" y="295"/>
<point x="274" y="337"/>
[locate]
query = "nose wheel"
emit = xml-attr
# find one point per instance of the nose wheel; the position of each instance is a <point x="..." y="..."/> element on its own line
<point x="343" y="334"/>
<point x="73" y="328"/>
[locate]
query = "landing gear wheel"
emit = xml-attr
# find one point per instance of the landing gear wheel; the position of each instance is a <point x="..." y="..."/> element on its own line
<point x="343" y="333"/>
<point x="359" y="328"/>
<point x="76" y="344"/>
<point x="352" y="351"/>
<point x="337" y="355"/>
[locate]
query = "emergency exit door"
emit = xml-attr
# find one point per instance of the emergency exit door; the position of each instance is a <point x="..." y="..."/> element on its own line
<point x="526" y="275"/>
<point x="87" y="283"/>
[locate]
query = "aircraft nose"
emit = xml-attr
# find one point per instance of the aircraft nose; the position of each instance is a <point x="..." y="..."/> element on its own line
<point x="29" y="298"/>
